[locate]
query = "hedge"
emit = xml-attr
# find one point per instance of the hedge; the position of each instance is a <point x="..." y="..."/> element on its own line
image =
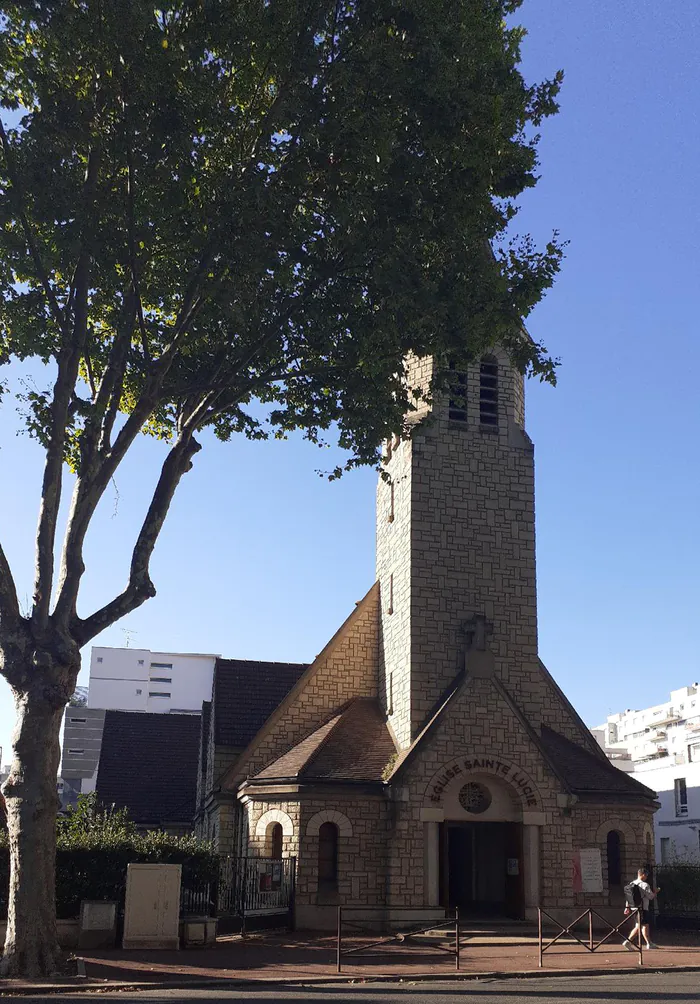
<point x="680" y="888"/>
<point x="94" y="847"/>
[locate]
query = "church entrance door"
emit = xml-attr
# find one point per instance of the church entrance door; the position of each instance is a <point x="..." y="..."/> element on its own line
<point x="481" y="867"/>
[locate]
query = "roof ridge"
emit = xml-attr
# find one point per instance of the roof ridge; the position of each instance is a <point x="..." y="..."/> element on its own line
<point x="260" y="662"/>
<point x="584" y="730"/>
<point x="530" y="730"/>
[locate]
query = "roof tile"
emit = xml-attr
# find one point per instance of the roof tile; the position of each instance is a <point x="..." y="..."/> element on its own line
<point x="148" y="765"/>
<point x="245" y="695"/>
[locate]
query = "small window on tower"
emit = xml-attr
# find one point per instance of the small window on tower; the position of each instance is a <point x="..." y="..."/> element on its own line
<point x="488" y="392"/>
<point x="391" y="502"/>
<point x="458" y="396"/>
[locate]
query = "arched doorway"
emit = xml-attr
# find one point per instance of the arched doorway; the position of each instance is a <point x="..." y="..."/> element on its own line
<point x="481" y="848"/>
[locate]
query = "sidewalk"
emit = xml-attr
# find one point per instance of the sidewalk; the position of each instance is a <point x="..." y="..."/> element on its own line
<point x="283" y="957"/>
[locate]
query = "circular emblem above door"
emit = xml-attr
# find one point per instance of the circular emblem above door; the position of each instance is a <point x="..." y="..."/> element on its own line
<point x="475" y="797"/>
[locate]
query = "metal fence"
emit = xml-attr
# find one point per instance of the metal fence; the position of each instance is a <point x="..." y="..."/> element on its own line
<point x="197" y="897"/>
<point x="256" y="887"/>
<point x="428" y="938"/>
<point x="590" y="944"/>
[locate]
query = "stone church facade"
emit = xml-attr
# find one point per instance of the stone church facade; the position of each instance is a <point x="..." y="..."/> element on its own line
<point x="427" y="759"/>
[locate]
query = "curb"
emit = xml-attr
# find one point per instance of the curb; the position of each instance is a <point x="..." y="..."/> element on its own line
<point x="212" y="983"/>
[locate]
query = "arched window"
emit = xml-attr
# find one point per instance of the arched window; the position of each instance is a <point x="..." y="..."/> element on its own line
<point x="614" y="859"/>
<point x="328" y="855"/>
<point x="273" y="840"/>
<point x="488" y="391"/>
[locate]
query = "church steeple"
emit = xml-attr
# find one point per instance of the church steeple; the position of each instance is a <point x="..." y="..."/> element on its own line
<point x="456" y="541"/>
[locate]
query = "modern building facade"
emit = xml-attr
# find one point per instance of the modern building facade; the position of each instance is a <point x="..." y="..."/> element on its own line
<point x="135" y="680"/>
<point x="427" y="759"/>
<point x="660" y="746"/>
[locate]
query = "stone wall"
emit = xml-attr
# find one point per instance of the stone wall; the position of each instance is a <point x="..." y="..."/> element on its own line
<point x="346" y="668"/>
<point x="591" y="827"/>
<point x="461" y="542"/>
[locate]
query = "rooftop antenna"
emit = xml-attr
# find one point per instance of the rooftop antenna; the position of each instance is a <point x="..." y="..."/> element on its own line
<point x="128" y="632"/>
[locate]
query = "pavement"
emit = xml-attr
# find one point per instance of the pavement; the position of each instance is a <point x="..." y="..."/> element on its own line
<point x="295" y="959"/>
<point x="661" y="988"/>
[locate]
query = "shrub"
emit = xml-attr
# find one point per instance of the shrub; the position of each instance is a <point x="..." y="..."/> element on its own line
<point x="680" y="887"/>
<point x="95" y="845"/>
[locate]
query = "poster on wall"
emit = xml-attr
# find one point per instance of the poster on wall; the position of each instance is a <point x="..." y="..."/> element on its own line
<point x="591" y="869"/>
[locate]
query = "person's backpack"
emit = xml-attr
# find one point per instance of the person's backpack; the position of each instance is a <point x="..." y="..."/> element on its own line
<point x="633" y="896"/>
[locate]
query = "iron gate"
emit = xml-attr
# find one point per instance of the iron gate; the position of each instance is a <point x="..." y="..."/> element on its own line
<point x="256" y="887"/>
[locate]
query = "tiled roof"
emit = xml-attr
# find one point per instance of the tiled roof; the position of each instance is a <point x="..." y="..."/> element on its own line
<point x="353" y="745"/>
<point x="588" y="775"/>
<point x="148" y="765"/>
<point x="245" y="695"/>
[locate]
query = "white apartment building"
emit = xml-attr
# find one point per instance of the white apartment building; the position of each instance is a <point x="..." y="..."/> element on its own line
<point x="660" y="746"/>
<point x="136" y="679"/>
<point x="129" y="679"/>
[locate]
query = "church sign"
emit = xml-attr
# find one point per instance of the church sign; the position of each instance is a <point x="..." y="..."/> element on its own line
<point x="489" y="765"/>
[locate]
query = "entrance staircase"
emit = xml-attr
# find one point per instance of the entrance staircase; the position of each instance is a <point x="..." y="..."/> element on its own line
<point x="498" y="932"/>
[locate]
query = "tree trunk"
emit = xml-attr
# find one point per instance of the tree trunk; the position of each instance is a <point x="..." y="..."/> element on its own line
<point x="31" y="943"/>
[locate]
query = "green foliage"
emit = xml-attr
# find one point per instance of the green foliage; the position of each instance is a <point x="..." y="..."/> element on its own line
<point x="94" y="847"/>
<point x="287" y="197"/>
<point x="680" y="887"/>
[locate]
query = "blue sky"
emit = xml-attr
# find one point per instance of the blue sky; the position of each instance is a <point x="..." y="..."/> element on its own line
<point x="261" y="558"/>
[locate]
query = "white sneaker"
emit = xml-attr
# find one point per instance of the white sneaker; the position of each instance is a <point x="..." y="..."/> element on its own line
<point x="651" y="945"/>
<point x="629" y="946"/>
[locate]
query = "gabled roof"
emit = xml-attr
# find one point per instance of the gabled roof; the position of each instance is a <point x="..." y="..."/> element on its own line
<point x="245" y="695"/>
<point x="588" y="775"/>
<point x="581" y="771"/>
<point x="353" y="745"/>
<point x="274" y="725"/>
<point x="148" y="765"/>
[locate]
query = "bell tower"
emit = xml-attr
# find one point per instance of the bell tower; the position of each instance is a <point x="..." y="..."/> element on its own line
<point x="456" y="546"/>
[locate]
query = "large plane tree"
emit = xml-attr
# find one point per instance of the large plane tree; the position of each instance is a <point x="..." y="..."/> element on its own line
<point x="215" y="211"/>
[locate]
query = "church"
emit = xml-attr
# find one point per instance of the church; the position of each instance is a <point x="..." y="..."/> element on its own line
<point x="427" y="759"/>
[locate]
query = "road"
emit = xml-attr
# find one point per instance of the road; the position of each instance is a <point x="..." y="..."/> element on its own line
<point x="659" y="987"/>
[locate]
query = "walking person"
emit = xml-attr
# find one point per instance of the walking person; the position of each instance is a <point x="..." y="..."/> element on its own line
<point x="639" y="894"/>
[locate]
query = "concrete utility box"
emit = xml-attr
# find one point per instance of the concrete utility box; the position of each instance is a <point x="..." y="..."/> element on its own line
<point x="152" y="911"/>
<point x="98" y="924"/>
<point x="198" y="932"/>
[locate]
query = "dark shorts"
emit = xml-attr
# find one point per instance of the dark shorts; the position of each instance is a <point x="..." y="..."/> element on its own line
<point x="646" y="916"/>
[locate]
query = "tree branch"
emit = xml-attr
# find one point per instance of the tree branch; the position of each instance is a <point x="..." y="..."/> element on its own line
<point x="69" y="358"/>
<point x="140" y="587"/>
<point x="42" y="274"/>
<point x="9" y="604"/>
<point x="131" y="228"/>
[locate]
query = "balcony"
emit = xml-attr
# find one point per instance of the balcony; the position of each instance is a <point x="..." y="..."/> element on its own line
<point x="657" y="735"/>
<point x="668" y="718"/>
